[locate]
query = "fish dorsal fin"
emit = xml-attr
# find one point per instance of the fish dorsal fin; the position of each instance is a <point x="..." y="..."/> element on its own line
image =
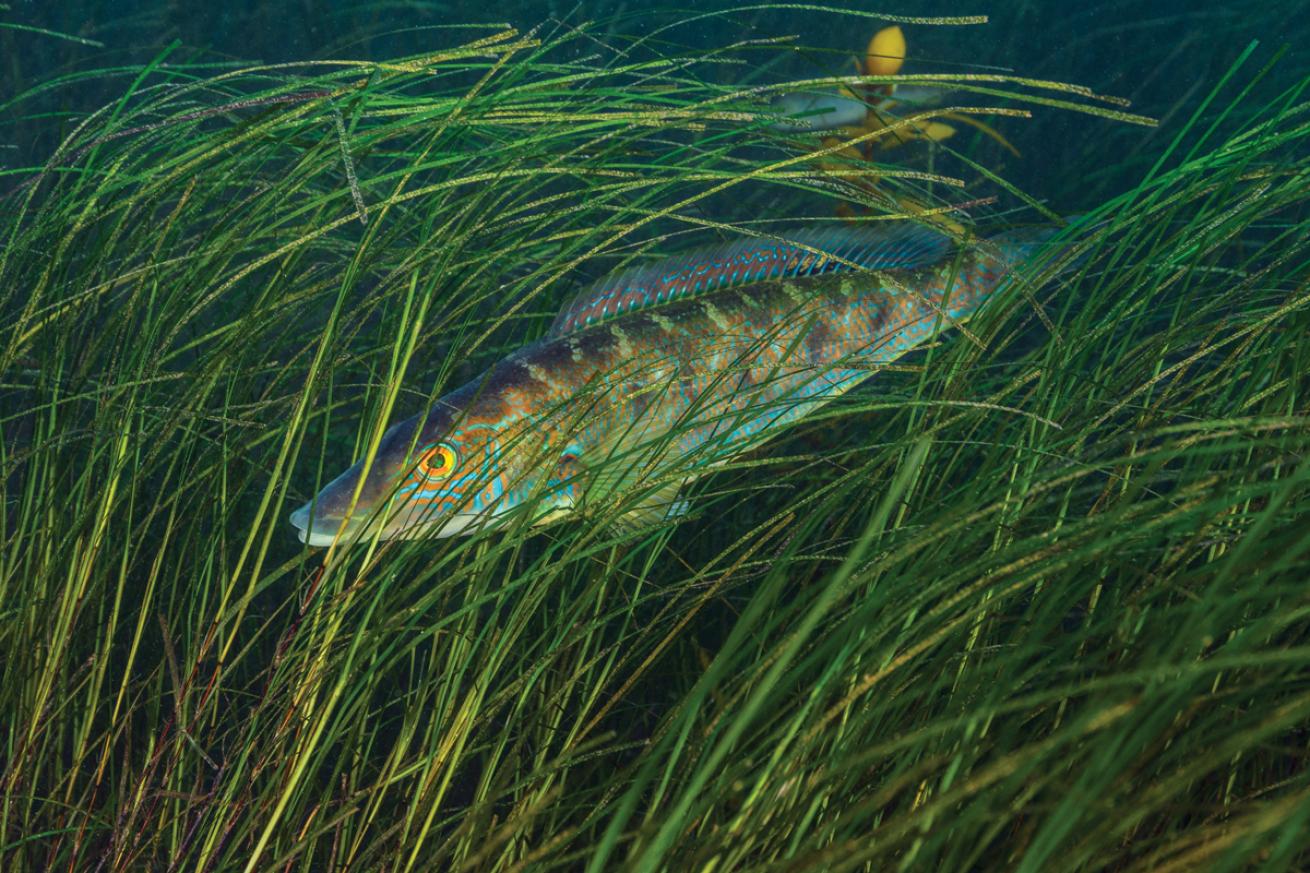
<point x="798" y="253"/>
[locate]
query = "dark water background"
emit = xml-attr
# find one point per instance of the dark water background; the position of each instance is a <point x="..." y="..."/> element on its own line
<point x="1165" y="56"/>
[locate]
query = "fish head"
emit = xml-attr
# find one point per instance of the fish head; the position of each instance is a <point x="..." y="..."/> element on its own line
<point x="435" y="475"/>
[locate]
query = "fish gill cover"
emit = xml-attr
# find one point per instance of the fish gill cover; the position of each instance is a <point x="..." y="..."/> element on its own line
<point x="1028" y="593"/>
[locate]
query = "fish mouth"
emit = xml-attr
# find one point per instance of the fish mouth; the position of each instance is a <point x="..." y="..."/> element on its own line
<point x="323" y="530"/>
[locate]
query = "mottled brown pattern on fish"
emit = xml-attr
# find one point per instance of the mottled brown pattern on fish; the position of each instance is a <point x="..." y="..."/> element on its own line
<point x="713" y="353"/>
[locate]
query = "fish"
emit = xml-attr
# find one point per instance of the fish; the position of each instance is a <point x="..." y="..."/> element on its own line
<point x="822" y="110"/>
<point x="817" y="110"/>
<point x="878" y="109"/>
<point x="662" y="373"/>
<point x="859" y="107"/>
<point x="857" y="122"/>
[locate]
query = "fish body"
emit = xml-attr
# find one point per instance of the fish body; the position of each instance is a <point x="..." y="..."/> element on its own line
<point x="825" y="110"/>
<point x="817" y="110"/>
<point x="659" y="374"/>
<point x="858" y="106"/>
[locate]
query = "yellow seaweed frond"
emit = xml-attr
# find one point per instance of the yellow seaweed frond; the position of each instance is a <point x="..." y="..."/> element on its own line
<point x="985" y="128"/>
<point x="886" y="52"/>
<point x="929" y="130"/>
<point x="841" y="148"/>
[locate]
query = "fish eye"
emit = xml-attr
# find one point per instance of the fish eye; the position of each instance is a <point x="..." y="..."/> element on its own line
<point x="438" y="462"/>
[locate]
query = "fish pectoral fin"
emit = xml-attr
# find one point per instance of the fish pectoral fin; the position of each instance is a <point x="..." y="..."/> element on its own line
<point x="657" y="506"/>
<point x="552" y="515"/>
<point x="628" y="488"/>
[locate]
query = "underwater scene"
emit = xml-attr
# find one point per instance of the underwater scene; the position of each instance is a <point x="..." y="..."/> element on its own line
<point x="580" y="436"/>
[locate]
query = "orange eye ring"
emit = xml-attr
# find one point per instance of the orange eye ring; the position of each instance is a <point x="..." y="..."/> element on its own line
<point x="438" y="462"/>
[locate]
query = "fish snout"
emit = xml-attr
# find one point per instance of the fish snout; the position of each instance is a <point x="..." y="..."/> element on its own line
<point x="300" y="519"/>
<point x="321" y="519"/>
<point x="321" y="528"/>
